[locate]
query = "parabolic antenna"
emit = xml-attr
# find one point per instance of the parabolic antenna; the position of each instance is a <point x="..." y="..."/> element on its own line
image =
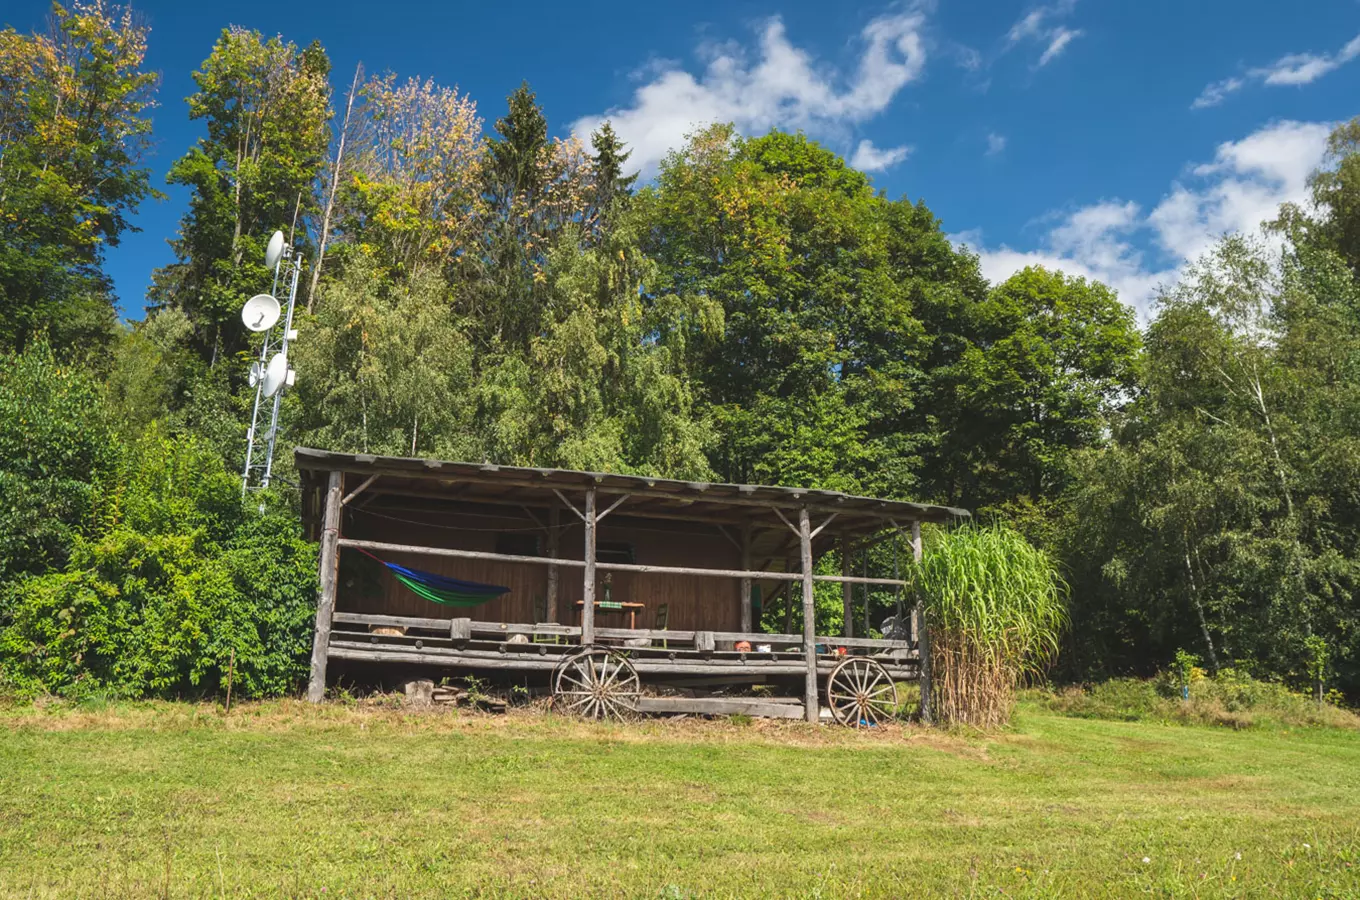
<point x="275" y="374"/>
<point x="260" y="312"/>
<point x="274" y="251"/>
<point x="256" y="372"/>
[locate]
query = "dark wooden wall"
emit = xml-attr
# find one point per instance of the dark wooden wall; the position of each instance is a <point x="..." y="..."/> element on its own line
<point x="693" y="601"/>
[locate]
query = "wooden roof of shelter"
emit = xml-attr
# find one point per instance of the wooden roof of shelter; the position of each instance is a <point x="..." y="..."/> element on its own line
<point x="435" y="482"/>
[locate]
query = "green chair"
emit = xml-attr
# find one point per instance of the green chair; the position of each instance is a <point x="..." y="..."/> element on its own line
<point x="663" y="617"/>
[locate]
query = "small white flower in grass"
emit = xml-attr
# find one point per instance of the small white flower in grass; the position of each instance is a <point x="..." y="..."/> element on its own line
<point x="1307" y="846"/>
<point x="1237" y="856"/>
<point x="1146" y="860"/>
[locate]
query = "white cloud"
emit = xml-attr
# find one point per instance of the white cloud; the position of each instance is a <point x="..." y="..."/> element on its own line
<point x="1305" y="68"/>
<point x="869" y="158"/>
<point x="1240" y="188"/>
<point x="1060" y="39"/>
<point x="995" y="143"/>
<point x="1216" y="93"/>
<point x="1292" y="69"/>
<point x="781" y="86"/>
<point x="1038" y="25"/>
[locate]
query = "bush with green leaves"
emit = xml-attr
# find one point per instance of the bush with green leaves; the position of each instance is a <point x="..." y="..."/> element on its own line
<point x="183" y="583"/>
<point x="56" y="450"/>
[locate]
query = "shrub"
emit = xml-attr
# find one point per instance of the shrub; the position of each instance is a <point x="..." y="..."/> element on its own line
<point x="182" y="582"/>
<point x="56" y="450"/>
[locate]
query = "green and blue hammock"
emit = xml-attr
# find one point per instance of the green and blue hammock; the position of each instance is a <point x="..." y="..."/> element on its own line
<point x="439" y="588"/>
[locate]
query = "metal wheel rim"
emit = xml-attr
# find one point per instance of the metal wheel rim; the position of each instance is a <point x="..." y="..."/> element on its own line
<point x="597" y="684"/>
<point x="860" y="693"/>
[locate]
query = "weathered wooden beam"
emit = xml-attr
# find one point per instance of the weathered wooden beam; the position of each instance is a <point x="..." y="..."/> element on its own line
<point x="746" y="579"/>
<point x="569" y="505"/>
<point x="809" y="620"/>
<point x="613" y="506"/>
<point x="588" y="607"/>
<point x="785" y="520"/>
<point x="847" y="588"/>
<point x="829" y="519"/>
<point x="359" y="490"/>
<point x="328" y="571"/>
<point x="554" y="551"/>
<point x="720" y="706"/>
<point x="474" y="659"/>
<point x="922" y="636"/>
<point x="695" y="492"/>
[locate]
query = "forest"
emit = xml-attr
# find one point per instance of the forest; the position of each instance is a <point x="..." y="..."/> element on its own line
<point x="478" y="289"/>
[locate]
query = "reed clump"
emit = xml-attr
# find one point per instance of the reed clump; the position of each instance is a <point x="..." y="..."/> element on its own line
<point x="996" y="608"/>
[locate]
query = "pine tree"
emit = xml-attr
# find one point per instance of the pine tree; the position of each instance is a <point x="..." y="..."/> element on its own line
<point x="610" y="182"/>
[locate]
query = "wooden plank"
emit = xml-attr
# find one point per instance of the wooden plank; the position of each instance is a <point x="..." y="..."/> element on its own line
<point x="829" y="640"/>
<point x="380" y="546"/>
<point x="554" y="551"/>
<point x="704" y="642"/>
<point x="746" y="579"/>
<point x="680" y="637"/>
<point x="392" y="621"/>
<point x="809" y="619"/>
<point x="847" y="589"/>
<point x="460" y="629"/>
<point x="328" y="567"/>
<point x="720" y="706"/>
<point x="588" y="603"/>
<point x="922" y="637"/>
<point x="484" y="659"/>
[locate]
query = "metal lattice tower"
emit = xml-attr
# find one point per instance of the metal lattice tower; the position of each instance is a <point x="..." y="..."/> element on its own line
<point x="260" y="443"/>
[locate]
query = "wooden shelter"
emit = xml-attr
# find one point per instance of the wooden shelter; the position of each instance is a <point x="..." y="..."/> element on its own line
<point x="610" y="581"/>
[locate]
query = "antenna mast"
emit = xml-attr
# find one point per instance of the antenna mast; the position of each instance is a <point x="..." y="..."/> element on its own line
<point x="270" y="374"/>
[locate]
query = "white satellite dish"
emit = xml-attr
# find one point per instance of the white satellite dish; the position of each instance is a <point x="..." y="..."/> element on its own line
<point x="260" y="312"/>
<point x="275" y="374"/>
<point x="256" y="372"/>
<point x="274" y="252"/>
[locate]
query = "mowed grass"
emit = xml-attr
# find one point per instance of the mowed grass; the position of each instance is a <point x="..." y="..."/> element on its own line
<point x="282" y="799"/>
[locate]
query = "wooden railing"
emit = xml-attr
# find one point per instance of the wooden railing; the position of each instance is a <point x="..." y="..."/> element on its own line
<point x="470" y="629"/>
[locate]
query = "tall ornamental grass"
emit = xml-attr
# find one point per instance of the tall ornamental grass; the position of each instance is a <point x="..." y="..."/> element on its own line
<point x="995" y="607"/>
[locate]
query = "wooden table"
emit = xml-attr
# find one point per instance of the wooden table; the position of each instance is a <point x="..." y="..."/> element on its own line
<point x="610" y="605"/>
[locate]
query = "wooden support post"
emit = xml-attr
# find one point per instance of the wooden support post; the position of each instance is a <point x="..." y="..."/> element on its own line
<point x="328" y="574"/>
<point x="746" y="581"/>
<point x="847" y="589"/>
<point x="809" y="620"/>
<point x="922" y="636"/>
<point x="588" y="607"/>
<point x="788" y="601"/>
<point x="554" y="549"/>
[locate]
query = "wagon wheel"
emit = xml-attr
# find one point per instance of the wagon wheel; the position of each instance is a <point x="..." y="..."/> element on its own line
<point x="597" y="684"/>
<point x="860" y="693"/>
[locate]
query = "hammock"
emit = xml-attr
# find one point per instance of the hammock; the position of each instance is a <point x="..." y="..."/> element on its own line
<point x="440" y="589"/>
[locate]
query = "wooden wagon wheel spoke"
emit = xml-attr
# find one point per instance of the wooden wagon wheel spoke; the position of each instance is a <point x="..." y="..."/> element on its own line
<point x="860" y="693"/>
<point x="597" y="684"/>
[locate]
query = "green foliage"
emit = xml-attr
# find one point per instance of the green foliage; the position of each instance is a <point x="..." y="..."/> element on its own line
<point x="1047" y="362"/>
<point x="180" y="582"/>
<point x="56" y="457"/>
<point x="265" y="105"/>
<point x="74" y="124"/>
<point x="815" y="374"/>
<point x="1222" y="516"/>
<point x="996" y="608"/>
<point x="1230" y="699"/>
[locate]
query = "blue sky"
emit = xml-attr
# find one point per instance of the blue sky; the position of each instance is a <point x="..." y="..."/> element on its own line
<point x="1114" y="139"/>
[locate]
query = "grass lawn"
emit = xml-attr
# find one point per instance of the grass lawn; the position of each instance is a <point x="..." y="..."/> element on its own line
<point x="282" y="799"/>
